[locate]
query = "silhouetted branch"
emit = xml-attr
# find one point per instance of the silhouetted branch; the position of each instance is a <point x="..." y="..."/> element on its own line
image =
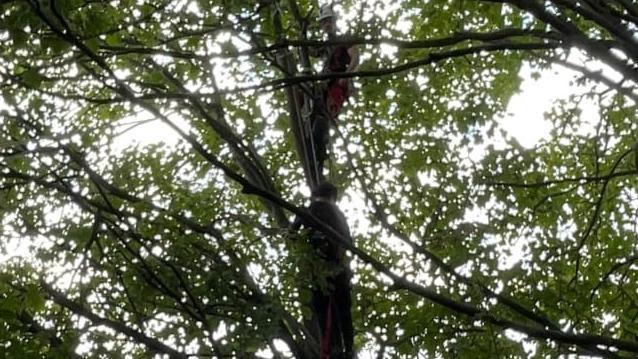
<point x="119" y="327"/>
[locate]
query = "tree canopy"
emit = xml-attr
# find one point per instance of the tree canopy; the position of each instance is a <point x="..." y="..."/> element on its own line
<point x="467" y="244"/>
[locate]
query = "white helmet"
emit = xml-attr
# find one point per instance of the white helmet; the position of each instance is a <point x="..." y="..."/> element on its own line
<point x="326" y="12"/>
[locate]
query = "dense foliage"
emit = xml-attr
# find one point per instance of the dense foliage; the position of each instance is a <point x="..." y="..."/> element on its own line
<point x="468" y="244"/>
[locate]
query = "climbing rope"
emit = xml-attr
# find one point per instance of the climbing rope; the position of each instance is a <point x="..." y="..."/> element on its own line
<point x="307" y="132"/>
<point x="329" y="147"/>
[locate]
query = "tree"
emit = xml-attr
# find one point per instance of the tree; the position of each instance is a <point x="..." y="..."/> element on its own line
<point x="184" y="250"/>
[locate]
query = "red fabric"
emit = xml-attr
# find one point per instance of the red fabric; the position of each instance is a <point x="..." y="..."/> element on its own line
<point x="327" y="335"/>
<point x="337" y="95"/>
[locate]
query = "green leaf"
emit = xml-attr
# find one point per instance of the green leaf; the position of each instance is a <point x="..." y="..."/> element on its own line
<point x="32" y="78"/>
<point x="19" y="38"/>
<point x="113" y="40"/>
<point x="57" y="45"/>
<point x="33" y="299"/>
<point x="93" y="45"/>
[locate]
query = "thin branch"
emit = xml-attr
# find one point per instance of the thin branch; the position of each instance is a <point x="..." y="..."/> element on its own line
<point x="582" y="180"/>
<point x="599" y="77"/>
<point x="598" y="206"/>
<point x="613" y="269"/>
<point x="79" y="309"/>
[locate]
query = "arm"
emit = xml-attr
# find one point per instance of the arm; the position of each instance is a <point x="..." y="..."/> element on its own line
<point x="353" y="51"/>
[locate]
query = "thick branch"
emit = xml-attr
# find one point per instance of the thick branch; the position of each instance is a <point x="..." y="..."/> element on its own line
<point x="626" y="37"/>
<point x="575" y="36"/>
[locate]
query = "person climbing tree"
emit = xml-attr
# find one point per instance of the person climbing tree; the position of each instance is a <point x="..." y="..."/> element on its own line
<point x="338" y="58"/>
<point x="331" y="306"/>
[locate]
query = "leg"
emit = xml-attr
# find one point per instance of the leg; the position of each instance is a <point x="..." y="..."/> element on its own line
<point x="319" y="303"/>
<point x="320" y="138"/>
<point x="343" y="311"/>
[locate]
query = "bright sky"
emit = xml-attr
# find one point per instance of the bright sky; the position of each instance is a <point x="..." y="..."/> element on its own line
<point x="525" y="118"/>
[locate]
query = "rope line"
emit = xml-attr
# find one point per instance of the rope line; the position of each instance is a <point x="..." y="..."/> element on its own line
<point x="308" y="104"/>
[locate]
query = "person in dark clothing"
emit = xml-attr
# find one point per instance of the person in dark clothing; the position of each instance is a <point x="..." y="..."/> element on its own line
<point x="331" y="307"/>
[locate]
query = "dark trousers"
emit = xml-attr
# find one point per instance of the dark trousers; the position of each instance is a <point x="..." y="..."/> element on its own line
<point x="332" y="310"/>
<point x="320" y="137"/>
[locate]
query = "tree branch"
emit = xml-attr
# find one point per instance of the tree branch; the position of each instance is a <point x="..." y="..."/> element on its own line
<point x="139" y="337"/>
<point x="583" y="180"/>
